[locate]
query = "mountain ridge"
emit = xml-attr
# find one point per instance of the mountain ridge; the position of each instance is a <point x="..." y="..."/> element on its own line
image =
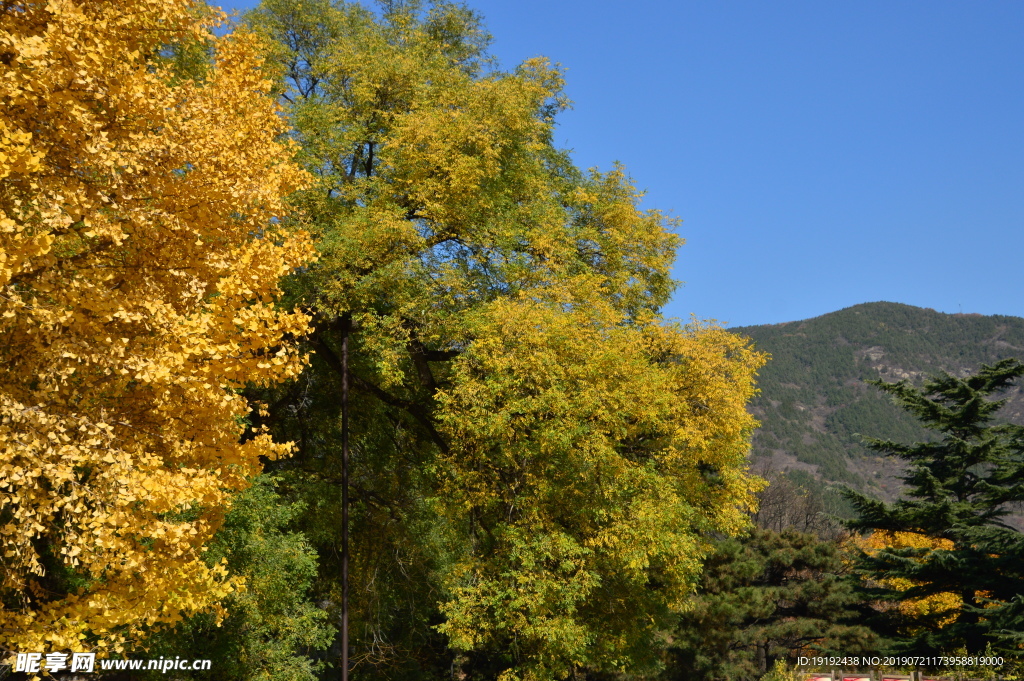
<point x="815" y="403"/>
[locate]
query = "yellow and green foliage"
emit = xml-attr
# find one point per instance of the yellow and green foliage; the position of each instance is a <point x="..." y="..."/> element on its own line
<point x="945" y="605"/>
<point x="271" y="626"/>
<point x="592" y="468"/>
<point x="531" y="440"/>
<point x="538" y="457"/>
<point x="139" y="261"/>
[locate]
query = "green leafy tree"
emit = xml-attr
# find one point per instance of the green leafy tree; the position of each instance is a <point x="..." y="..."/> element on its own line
<point x="764" y="598"/>
<point x="960" y="487"/>
<point x="537" y="457"/>
<point x="273" y="630"/>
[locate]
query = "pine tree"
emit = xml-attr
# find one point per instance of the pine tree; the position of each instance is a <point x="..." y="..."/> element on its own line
<point x="764" y="598"/>
<point x="960" y="488"/>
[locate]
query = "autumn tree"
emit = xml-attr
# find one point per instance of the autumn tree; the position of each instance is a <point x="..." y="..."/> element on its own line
<point x="961" y="486"/>
<point x="139" y="261"/>
<point x="538" y="457"/>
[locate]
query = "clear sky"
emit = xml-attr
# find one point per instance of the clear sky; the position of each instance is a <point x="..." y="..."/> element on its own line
<point x="820" y="154"/>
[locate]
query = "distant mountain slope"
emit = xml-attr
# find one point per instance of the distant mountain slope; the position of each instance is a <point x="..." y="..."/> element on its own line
<point x="814" y="401"/>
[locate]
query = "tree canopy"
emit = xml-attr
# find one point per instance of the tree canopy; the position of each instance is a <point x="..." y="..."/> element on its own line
<point x="139" y="265"/>
<point x="538" y="458"/>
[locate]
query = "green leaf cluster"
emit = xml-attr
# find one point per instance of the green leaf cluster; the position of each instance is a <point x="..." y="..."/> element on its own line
<point x="273" y="632"/>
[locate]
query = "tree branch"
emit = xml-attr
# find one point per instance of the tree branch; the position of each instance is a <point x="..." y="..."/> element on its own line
<point x="416" y="411"/>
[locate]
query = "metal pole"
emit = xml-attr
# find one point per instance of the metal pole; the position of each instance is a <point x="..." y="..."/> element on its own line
<point x="344" y="500"/>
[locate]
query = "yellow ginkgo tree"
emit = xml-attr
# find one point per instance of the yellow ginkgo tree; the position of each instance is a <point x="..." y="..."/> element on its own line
<point x="139" y="260"/>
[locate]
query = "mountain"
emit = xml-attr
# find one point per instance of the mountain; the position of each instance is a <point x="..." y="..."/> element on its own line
<point x="815" y="403"/>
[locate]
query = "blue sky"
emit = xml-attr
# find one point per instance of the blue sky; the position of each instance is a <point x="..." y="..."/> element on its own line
<point x="820" y="154"/>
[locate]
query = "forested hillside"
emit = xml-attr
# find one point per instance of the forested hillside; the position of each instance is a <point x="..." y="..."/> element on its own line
<point x="815" y="403"/>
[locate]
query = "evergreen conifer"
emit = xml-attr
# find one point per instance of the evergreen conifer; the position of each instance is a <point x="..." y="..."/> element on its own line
<point x="765" y="598"/>
<point x="960" y="487"/>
